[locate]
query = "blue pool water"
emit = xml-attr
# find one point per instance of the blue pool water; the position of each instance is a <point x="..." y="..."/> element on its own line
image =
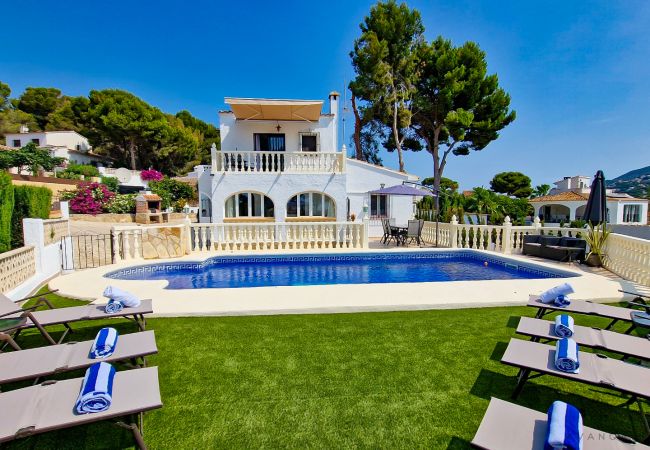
<point x="303" y="270"/>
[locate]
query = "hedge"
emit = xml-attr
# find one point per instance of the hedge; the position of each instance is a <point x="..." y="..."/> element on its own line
<point x="6" y="211"/>
<point x="29" y="202"/>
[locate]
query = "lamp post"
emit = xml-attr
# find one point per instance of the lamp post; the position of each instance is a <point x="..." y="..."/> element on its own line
<point x="436" y="193"/>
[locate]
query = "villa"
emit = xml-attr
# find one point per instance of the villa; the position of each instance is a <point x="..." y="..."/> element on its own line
<point x="566" y="202"/>
<point x="67" y="144"/>
<point x="280" y="162"/>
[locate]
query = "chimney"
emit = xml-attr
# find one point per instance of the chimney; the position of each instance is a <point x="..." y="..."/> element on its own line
<point x="334" y="103"/>
<point x="24" y="129"/>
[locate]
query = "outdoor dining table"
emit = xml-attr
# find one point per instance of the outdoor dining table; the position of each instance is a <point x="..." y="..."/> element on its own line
<point x="400" y="233"/>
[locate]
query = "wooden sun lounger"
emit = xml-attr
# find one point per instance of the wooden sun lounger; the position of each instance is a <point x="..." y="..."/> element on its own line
<point x="43" y="361"/>
<point x="506" y="426"/>
<point x="595" y="369"/>
<point x="23" y="319"/>
<point x="49" y="406"/>
<point x="615" y="313"/>
<point x="589" y="337"/>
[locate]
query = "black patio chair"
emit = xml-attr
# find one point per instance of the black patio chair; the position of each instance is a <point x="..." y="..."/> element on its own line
<point x="413" y="232"/>
<point x="387" y="235"/>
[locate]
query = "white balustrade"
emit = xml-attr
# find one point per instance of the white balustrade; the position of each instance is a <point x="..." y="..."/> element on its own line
<point x="628" y="257"/>
<point x="16" y="266"/>
<point x="128" y="241"/>
<point x="276" y="162"/>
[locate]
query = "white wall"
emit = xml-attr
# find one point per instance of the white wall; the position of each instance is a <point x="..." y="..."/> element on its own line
<point x="68" y="139"/>
<point x="237" y="135"/>
<point x="278" y="187"/>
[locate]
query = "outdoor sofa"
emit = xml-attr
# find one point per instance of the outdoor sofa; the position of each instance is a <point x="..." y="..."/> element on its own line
<point x="555" y="247"/>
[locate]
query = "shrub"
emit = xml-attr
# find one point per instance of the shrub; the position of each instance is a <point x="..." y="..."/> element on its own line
<point x="111" y="183"/>
<point x="151" y="175"/>
<point x="121" y="204"/>
<point x="29" y="203"/>
<point x="6" y="211"/>
<point x="90" y="198"/>
<point x="171" y="191"/>
<point x="75" y="171"/>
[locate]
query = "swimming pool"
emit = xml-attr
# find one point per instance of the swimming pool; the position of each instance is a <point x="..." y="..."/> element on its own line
<point x="323" y="269"/>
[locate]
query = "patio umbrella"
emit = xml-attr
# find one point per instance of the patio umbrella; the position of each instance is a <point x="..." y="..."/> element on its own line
<point x="401" y="189"/>
<point x="596" y="209"/>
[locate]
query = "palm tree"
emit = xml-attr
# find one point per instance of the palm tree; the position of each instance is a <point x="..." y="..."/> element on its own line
<point x="541" y="190"/>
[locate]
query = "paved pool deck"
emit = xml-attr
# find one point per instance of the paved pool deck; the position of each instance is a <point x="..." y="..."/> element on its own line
<point x="598" y="286"/>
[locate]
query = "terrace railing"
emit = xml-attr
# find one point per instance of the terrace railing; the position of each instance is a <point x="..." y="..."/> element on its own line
<point x="628" y="257"/>
<point x="16" y="266"/>
<point x="276" y="162"/>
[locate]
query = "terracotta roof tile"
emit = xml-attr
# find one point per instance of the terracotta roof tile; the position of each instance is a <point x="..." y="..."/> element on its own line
<point x="568" y="196"/>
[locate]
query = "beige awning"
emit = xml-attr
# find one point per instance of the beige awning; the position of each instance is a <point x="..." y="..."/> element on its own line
<point x="267" y="109"/>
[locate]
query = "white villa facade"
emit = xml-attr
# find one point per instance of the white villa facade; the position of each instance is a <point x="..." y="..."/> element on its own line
<point x="279" y="162"/>
<point x="568" y="199"/>
<point x="64" y="144"/>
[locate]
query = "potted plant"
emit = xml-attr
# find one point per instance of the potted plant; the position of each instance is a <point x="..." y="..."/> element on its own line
<point x="596" y="238"/>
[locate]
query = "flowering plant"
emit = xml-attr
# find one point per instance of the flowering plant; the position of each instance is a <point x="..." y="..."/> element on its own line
<point x="151" y="175"/>
<point x="90" y="198"/>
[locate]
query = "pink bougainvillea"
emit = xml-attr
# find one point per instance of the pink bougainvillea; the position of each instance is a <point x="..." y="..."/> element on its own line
<point x="151" y="175"/>
<point x="90" y="198"/>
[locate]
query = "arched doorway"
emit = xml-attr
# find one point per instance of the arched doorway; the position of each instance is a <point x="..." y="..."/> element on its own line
<point x="555" y="213"/>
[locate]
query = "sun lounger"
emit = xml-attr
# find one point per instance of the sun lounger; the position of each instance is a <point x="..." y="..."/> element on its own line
<point x="49" y="406"/>
<point x="43" y="361"/>
<point x="506" y="426"/>
<point x="615" y="313"/>
<point x="13" y="319"/>
<point x="589" y="337"/>
<point x="595" y="369"/>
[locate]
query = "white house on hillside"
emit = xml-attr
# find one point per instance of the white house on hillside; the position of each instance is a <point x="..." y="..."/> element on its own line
<point x="64" y="144"/>
<point x="568" y="199"/>
<point x="279" y="162"/>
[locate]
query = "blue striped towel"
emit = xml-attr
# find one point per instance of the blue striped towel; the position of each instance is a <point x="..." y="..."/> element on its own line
<point x="96" y="392"/>
<point x="562" y="301"/>
<point x="552" y="294"/>
<point x="563" y="326"/>
<point x="119" y="297"/>
<point x="564" y="429"/>
<point x="104" y="344"/>
<point x="566" y="356"/>
<point x="113" y="307"/>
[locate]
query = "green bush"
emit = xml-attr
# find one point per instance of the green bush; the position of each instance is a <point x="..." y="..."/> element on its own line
<point x="171" y="190"/>
<point x="75" y="171"/>
<point x="6" y="211"/>
<point x="111" y="183"/>
<point x="29" y="202"/>
<point x="121" y="204"/>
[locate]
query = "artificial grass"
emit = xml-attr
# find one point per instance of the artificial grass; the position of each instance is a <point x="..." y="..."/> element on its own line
<point x="365" y="380"/>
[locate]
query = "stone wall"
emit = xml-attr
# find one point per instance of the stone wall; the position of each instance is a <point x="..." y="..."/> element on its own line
<point x="162" y="243"/>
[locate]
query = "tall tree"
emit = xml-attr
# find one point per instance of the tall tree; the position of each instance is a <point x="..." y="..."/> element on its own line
<point x="208" y="135"/>
<point x="459" y="108"/>
<point x="39" y="102"/>
<point x="515" y="184"/>
<point x="5" y="92"/>
<point x="69" y="115"/>
<point x="385" y="61"/>
<point x="446" y="184"/>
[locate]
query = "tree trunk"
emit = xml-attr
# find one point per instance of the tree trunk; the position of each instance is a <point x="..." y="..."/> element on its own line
<point x="132" y="154"/>
<point x="437" y="172"/>
<point x="357" y="130"/>
<point x="398" y="143"/>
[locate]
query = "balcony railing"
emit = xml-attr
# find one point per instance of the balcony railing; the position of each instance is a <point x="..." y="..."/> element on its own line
<point x="276" y="162"/>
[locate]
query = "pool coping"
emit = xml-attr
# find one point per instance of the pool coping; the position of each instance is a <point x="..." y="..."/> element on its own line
<point x="338" y="298"/>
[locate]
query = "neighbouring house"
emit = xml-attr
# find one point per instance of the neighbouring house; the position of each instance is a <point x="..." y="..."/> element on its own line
<point x="129" y="181"/>
<point x="280" y="162"/>
<point x="567" y="201"/>
<point x="64" y="144"/>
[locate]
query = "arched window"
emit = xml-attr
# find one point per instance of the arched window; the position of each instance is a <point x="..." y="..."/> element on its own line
<point x="249" y="204"/>
<point x="311" y="204"/>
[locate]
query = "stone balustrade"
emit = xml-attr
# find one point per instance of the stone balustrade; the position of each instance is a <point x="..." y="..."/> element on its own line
<point x="628" y="257"/>
<point x="276" y="162"/>
<point x="16" y="266"/>
<point x="150" y="242"/>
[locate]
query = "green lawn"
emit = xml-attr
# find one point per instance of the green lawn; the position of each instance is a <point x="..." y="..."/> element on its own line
<point x="371" y="380"/>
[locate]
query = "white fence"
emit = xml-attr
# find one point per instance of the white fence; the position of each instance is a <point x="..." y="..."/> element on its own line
<point x="275" y="162"/>
<point x="16" y="266"/>
<point x="628" y="257"/>
<point x="130" y="242"/>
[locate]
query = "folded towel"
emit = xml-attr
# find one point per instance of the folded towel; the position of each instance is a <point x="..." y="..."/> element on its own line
<point x="117" y="295"/>
<point x="96" y="392"/>
<point x="563" y="326"/>
<point x="553" y="293"/>
<point x="104" y="344"/>
<point x="566" y="356"/>
<point x="113" y="307"/>
<point x="564" y="429"/>
<point x="562" y="301"/>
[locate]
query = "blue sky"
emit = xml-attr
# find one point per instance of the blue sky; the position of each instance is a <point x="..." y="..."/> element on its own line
<point x="577" y="71"/>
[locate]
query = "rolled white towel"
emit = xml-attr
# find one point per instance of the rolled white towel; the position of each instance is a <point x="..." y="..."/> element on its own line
<point x="553" y="293"/>
<point x="127" y="299"/>
<point x="563" y="326"/>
